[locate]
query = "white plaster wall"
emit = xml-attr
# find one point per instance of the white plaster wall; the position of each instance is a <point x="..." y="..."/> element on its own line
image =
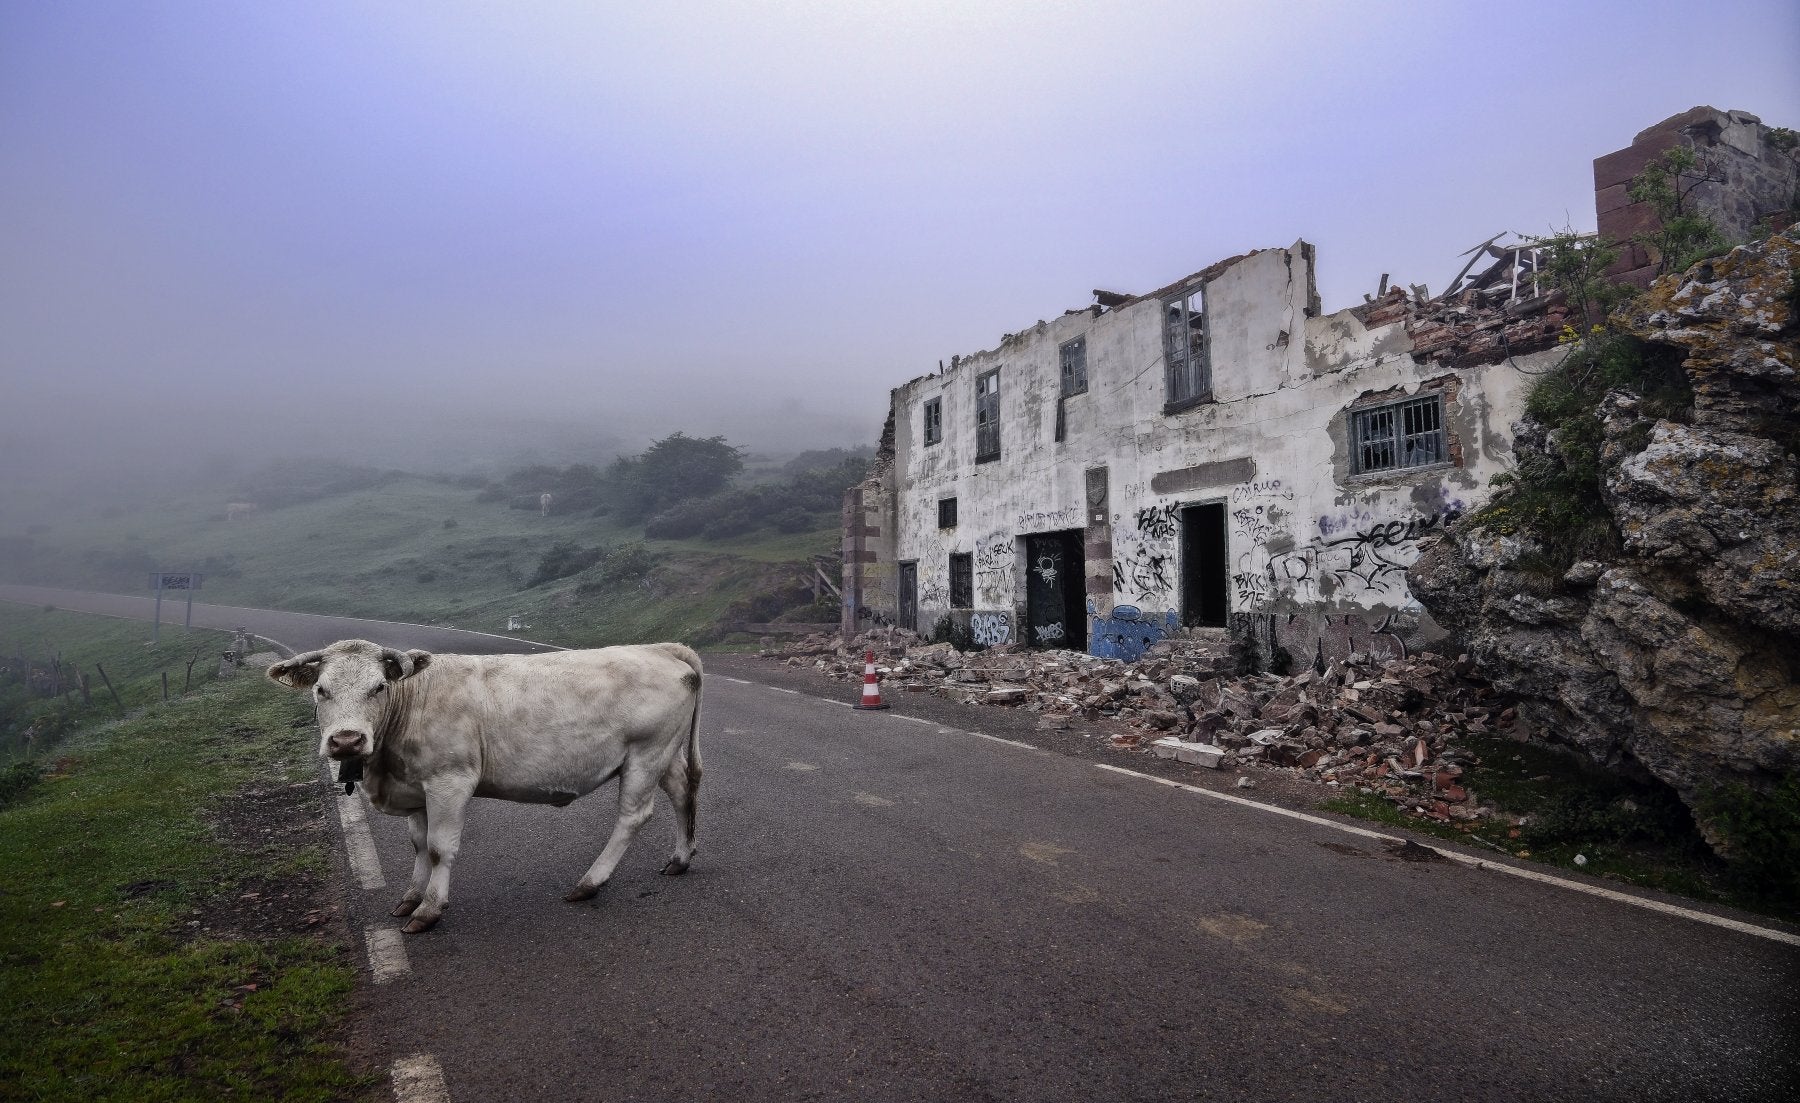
<point x="1304" y="535"/>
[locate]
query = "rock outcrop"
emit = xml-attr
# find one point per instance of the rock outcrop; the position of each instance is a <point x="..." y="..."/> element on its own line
<point x="1681" y="653"/>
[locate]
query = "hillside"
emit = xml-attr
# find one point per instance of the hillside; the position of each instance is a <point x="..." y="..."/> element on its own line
<point x="426" y="550"/>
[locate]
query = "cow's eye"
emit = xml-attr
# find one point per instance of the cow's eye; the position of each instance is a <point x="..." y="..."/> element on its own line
<point x="324" y="694"/>
<point x="378" y="689"/>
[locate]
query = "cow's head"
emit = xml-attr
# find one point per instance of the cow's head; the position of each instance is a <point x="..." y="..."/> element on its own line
<point x="350" y="682"/>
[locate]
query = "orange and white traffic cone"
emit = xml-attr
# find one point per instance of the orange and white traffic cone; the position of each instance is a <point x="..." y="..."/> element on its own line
<point x="871" y="698"/>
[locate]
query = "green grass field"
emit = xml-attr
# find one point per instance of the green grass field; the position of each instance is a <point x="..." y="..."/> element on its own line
<point x="414" y="549"/>
<point x="154" y="873"/>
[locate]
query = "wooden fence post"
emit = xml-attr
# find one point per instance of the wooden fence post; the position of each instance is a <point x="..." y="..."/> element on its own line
<point x="109" y="688"/>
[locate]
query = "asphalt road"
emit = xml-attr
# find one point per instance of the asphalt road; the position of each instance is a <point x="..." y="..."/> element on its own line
<point x="886" y="908"/>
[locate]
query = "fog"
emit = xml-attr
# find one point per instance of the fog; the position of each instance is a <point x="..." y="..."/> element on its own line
<point x="447" y="236"/>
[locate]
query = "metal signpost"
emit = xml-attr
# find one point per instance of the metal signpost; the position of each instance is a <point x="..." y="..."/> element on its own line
<point x="173" y="580"/>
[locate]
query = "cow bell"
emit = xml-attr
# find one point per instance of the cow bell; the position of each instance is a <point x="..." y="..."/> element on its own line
<point x="350" y="771"/>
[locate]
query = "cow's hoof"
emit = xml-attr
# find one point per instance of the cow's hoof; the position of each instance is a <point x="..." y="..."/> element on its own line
<point x="417" y="925"/>
<point x="403" y="908"/>
<point x="675" y="868"/>
<point x="581" y="892"/>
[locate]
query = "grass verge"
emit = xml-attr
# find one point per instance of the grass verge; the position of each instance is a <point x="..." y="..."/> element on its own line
<point x="160" y="917"/>
<point x="1555" y="808"/>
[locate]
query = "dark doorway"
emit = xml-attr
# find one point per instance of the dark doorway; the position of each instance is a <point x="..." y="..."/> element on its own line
<point x="909" y="596"/>
<point x="1056" y="591"/>
<point x="1205" y="592"/>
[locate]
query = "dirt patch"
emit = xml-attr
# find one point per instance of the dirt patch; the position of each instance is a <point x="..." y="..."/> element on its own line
<point x="275" y="825"/>
<point x="1410" y="851"/>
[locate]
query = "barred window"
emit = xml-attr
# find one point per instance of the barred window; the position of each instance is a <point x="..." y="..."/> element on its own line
<point x="934" y="421"/>
<point x="1074" y="367"/>
<point x="962" y="580"/>
<point x="946" y="513"/>
<point x="1399" y="435"/>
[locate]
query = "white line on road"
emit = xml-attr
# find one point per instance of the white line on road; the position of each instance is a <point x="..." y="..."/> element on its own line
<point x="387" y="954"/>
<point x="1008" y="742"/>
<point x="360" y="844"/>
<point x="1472" y="860"/>
<point x="420" y="1079"/>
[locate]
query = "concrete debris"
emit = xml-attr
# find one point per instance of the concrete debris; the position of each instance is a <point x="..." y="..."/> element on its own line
<point x="1382" y="727"/>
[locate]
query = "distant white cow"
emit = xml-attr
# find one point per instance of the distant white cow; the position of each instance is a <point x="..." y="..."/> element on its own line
<point x="434" y="731"/>
<point x="544" y="504"/>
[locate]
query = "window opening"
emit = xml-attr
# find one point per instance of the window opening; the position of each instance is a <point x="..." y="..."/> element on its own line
<point x="987" y="416"/>
<point x="946" y="513"/>
<point x="1184" y="349"/>
<point x="934" y="420"/>
<point x="1399" y="435"/>
<point x="962" y="580"/>
<point x="1074" y="367"/>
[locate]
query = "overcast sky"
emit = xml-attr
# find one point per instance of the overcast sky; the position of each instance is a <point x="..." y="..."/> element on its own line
<point x="340" y="224"/>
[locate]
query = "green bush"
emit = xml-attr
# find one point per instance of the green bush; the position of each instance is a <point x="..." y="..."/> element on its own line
<point x="1761" y="830"/>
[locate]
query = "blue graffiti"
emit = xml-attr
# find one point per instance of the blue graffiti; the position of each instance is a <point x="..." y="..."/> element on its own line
<point x="1128" y="633"/>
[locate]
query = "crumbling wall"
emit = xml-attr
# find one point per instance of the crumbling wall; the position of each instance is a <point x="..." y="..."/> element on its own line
<point x="1316" y="553"/>
<point x="1759" y="190"/>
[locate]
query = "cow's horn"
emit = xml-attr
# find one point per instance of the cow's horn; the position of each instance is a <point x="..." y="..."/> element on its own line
<point x="298" y="672"/>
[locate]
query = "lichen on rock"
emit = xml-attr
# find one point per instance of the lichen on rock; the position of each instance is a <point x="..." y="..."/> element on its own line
<point x="1678" y="653"/>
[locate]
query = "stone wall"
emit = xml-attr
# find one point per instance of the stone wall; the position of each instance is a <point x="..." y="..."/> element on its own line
<point x="1761" y="171"/>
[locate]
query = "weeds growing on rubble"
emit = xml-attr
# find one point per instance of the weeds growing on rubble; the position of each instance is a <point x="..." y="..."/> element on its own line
<point x="1554" y="496"/>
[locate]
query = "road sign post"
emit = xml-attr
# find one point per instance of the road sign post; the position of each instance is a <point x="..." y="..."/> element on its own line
<point x="173" y="580"/>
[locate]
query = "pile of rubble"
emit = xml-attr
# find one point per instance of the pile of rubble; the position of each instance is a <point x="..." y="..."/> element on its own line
<point x="1388" y="727"/>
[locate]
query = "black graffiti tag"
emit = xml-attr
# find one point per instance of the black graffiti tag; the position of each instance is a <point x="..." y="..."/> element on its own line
<point x="1156" y="522"/>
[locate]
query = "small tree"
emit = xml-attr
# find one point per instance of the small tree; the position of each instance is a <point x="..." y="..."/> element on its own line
<point x="1576" y="265"/>
<point x="1668" y="184"/>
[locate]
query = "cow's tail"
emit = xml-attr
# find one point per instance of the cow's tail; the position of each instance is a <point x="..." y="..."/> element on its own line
<point x="695" y="683"/>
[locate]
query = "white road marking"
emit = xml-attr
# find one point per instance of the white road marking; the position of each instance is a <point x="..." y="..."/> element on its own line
<point x="361" y="845"/>
<point x="729" y="678"/>
<point x="1008" y="742"/>
<point x="387" y="954"/>
<point x="1476" y="862"/>
<point x="420" y="1079"/>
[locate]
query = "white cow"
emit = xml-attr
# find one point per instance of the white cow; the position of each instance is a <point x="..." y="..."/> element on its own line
<point x="434" y="730"/>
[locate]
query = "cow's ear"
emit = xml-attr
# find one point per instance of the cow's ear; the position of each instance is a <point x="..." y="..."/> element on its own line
<point x="298" y="672"/>
<point x="420" y="660"/>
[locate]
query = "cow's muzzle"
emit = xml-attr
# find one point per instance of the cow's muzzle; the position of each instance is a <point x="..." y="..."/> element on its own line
<point x="343" y="745"/>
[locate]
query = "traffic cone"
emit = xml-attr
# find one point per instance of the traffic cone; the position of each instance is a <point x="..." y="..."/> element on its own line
<point x="871" y="698"/>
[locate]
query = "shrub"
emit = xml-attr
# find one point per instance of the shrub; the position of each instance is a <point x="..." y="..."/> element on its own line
<point x="562" y="560"/>
<point x="1761" y="831"/>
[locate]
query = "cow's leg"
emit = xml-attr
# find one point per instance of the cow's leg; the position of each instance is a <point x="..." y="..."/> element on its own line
<point x="682" y="801"/>
<point x="445" y="800"/>
<point x="415" y="888"/>
<point x="637" y="799"/>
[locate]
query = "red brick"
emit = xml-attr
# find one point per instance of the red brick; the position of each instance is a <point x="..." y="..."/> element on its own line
<point x="1611" y="198"/>
<point x="1619" y="166"/>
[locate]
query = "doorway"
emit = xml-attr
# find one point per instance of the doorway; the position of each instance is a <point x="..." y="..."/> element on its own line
<point x="1056" y="590"/>
<point x="1205" y="582"/>
<point x="909" y="596"/>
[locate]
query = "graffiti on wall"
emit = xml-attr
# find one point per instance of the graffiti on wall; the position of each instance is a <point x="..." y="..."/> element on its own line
<point x="994" y="570"/>
<point x="1144" y="572"/>
<point x="1157" y="522"/>
<point x="1126" y="633"/>
<point x="1067" y="517"/>
<point x="990" y="629"/>
<point x="1047" y="565"/>
<point x="1048" y="633"/>
<point x="1359" y="556"/>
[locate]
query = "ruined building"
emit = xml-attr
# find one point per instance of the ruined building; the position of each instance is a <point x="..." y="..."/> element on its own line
<point x="1215" y="455"/>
